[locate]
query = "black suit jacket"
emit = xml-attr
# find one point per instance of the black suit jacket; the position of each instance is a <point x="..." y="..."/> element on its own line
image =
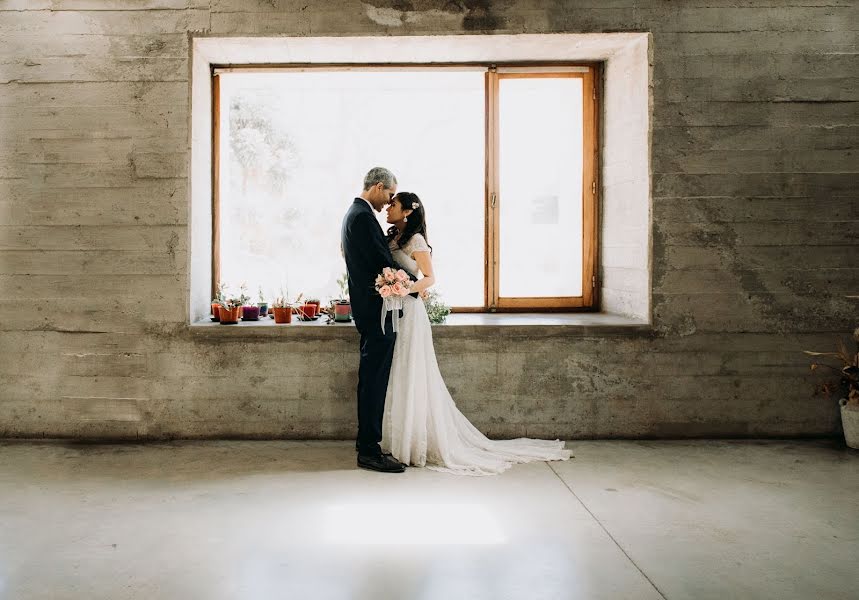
<point x="366" y="251"/>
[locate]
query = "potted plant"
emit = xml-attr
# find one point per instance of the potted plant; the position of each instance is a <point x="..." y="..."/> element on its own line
<point x="342" y="305"/>
<point x="220" y="296"/>
<point x="342" y="311"/>
<point x="312" y="312"/>
<point x="845" y="384"/>
<point x="306" y="310"/>
<point x="262" y="304"/>
<point x="250" y="312"/>
<point x="230" y="311"/>
<point x="437" y="310"/>
<point x="282" y="308"/>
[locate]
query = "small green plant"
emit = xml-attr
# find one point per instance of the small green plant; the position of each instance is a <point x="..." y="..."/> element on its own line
<point x="437" y="310"/>
<point x="282" y="301"/>
<point x="343" y="283"/>
<point x="261" y="296"/>
<point x="243" y="295"/>
<point x="231" y="303"/>
<point x="221" y="294"/>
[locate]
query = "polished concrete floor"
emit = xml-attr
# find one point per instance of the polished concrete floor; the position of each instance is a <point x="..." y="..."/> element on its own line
<point x="292" y="520"/>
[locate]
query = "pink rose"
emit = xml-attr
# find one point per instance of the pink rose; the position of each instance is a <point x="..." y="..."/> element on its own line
<point x="402" y="275"/>
<point x="397" y="289"/>
<point x="385" y="291"/>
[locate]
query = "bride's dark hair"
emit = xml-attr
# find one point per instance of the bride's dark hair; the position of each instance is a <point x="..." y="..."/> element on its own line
<point x="415" y="222"/>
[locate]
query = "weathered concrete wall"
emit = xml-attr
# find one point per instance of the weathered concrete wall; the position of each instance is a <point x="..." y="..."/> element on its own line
<point x="755" y="216"/>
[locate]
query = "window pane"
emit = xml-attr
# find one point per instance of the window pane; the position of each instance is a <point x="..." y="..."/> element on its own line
<point x="540" y="187"/>
<point x="295" y="147"/>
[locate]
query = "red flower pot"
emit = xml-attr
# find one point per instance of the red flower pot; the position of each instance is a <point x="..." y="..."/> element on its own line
<point x="216" y="308"/>
<point x="229" y="316"/>
<point x="307" y="311"/>
<point x="282" y="314"/>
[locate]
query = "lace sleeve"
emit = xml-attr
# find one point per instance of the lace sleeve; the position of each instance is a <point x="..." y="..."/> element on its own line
<point x="417" y="244"/>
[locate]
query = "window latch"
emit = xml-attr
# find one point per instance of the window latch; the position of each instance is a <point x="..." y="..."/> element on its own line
<point x="492" y="199"/>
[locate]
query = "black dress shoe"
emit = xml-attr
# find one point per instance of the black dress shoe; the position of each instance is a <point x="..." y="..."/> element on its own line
<point x="380" y="462"/>
<point x="394" y="458"/>
<point x="358" y="450"/>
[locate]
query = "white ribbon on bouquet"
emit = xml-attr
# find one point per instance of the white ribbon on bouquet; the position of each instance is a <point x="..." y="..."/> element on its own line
<point x="392" y="304"/>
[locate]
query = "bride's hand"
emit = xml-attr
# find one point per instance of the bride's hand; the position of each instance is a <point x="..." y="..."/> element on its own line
<point x="424" y="294"/>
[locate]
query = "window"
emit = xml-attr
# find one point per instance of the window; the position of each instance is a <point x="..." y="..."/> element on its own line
<point x="542" y="188"/>
<point x="503" y="159"/>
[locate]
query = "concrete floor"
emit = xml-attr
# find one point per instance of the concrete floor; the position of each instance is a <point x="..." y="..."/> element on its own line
<point x="638" y="520"/>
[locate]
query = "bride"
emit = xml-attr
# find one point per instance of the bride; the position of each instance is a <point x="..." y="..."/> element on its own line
<point x="422" y="426"/>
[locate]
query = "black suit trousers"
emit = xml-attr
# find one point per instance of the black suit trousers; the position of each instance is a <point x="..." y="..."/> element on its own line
<point x="377" y="351"/>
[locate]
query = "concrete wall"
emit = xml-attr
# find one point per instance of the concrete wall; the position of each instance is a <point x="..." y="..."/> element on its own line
<point x="755" y="229"/>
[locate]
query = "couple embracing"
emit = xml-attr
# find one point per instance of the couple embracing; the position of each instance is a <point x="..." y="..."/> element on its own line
<point x="406" y="416"/>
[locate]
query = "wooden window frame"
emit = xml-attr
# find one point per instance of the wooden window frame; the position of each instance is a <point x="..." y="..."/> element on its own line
<point x="216" y="183"/>
<point x="493" y="302"/>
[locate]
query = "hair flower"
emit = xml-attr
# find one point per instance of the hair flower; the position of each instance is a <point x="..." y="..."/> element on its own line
<point x="415" y="205"/>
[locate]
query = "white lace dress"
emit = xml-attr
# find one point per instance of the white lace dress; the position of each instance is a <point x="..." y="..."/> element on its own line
<point x="422" y="426"/>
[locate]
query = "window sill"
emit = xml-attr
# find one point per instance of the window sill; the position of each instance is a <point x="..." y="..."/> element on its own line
<point x="458" y="325"/>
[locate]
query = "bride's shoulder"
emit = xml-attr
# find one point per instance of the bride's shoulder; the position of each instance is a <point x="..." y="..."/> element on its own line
<point x="418" y="244"/>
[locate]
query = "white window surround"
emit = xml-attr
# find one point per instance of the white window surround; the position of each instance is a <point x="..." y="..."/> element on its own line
<point x="624" y="211"/>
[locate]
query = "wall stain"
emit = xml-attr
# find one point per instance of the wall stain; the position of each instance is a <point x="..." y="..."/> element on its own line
<point x="172" y="242"/>
<point x="154" y="46"/>
<point x="477" y="15"/>
<point x="726" y="240"/>
<point x="481" y="16"/>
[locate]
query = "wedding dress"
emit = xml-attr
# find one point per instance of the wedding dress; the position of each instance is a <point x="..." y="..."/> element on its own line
<point x="422" y="426"/>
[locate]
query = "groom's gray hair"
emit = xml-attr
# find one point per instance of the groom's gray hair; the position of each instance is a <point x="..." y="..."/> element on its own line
<point x="379" y="175"/>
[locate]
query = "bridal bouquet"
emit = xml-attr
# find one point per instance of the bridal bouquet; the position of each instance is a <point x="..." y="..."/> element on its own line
<point x="393" y="283"/>
<point x="393" y="286"/>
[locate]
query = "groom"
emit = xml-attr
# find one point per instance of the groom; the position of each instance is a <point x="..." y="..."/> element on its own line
<point x="367" y="253"/>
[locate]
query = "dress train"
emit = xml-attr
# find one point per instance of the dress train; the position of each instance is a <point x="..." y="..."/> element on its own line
<point x="422" y="425"/>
